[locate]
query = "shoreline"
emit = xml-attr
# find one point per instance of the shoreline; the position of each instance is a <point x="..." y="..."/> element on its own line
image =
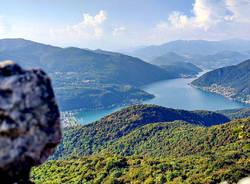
<point x="226" y="92"/>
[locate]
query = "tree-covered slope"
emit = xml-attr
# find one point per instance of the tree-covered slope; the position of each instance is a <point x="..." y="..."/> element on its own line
<point x="109" y="68"/>
<point x="232" y="82"/>
<point x="94" y="137"/>
<point x="225" y="159"/>
<point x="235" y="113"/>
<point x="26" y="53"/>
<point x="81" y="73"/>
<point x="100" y="97"/>
<point x="177" y="139"/>
<point x="105" y="68"/>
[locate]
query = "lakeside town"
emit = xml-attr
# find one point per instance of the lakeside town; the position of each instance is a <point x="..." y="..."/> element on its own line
<point x="225" y="91"/>
<point x="68" y="119"/>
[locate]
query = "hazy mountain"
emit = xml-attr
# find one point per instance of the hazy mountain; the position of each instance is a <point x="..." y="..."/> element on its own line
<point x="182" y="69"/>
<point x="26" y="53"/>
<point x="168" y="58"/>
<point x="232" y="82"/>
<point x="191" y="47"/>
<point x="220" y="59"/>
<point x="106" y="68"/>
<point x="81" y="73"/>
<point x="174" y="63"/>
<point x="20" y="45"/>
<point x="110" y="65"/>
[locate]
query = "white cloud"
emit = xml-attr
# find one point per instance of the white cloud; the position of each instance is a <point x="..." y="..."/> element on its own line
<point x="240" y="9"/>
<point x="177" y="19"/>
<point x="207" y="13"/>
<point x="91" y="28"/>
<point x="118" y="31"/>
<point x="93" y="21"/>
<point x="211" y="19"/>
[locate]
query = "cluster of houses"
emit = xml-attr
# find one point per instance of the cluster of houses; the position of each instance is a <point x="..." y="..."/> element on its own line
<point x="68" y="119"/>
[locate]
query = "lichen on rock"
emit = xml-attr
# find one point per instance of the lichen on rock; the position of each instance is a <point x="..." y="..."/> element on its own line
<point x="29" y="121"/>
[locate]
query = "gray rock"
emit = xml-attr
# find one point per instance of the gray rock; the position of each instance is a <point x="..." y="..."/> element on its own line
<point x="29" y="121"/>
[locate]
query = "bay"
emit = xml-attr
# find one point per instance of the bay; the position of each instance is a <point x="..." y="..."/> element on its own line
<point x="178" y="94"/>
<point x="175" y="93"/>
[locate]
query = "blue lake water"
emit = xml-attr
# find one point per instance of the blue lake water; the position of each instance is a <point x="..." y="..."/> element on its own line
<point x="178" y="94"/>
<point x="174" y="93"/>
<point x="85" y="117"/>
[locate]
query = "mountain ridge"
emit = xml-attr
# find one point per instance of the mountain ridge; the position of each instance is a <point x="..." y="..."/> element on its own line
<point x="174" y="62"/>
<point x="191" y="47"/>
<point x="200" y="155"/>
<point x="80" y="73"/>
<point x="96" y="136"/>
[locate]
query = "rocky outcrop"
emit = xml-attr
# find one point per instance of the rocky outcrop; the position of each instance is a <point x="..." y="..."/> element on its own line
<point x="29" y="121"/>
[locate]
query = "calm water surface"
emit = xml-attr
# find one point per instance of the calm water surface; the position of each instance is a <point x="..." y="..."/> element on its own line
<point x="85" y="117"/>
<point x="178" y="94"/>
<point x="174" y="93"/>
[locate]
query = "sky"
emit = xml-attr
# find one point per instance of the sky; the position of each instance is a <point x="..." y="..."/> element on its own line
<point x="123" y="24"/>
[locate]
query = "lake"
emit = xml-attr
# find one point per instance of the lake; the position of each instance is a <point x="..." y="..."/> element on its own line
<point x="175" y="93"/>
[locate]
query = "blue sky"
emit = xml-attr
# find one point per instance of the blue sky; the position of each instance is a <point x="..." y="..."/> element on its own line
<point x="120" y="24"/>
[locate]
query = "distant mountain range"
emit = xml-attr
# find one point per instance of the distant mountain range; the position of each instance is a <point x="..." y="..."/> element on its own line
<point x="142" y="143"/>
<point x="84" y="78"/>
<point x="95" y="65"/>
<point x="97" y="79"/>
<point x="232" y="82"/>
<point x="173" y="62"/>
<point x="212" y="61"/>
<point x="218" y="60"/>
<point x="191" y="48"/>
<point x="168" y="58"/>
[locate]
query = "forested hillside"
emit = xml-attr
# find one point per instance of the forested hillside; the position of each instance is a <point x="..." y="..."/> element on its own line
<point x="232" y="82"/>
<point x="97" y="136"/>
<point x="235" y="113"/>
<point x="79" y="75"/>
<point x="189" y="154"/>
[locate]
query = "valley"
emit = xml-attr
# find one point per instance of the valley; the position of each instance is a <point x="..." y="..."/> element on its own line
<point x="125" y="92"/>
<point x="146" y="143"/>
<point x="87" y="79"/>
<point x="173" y="93"/>
<point x="187" y="126"/>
